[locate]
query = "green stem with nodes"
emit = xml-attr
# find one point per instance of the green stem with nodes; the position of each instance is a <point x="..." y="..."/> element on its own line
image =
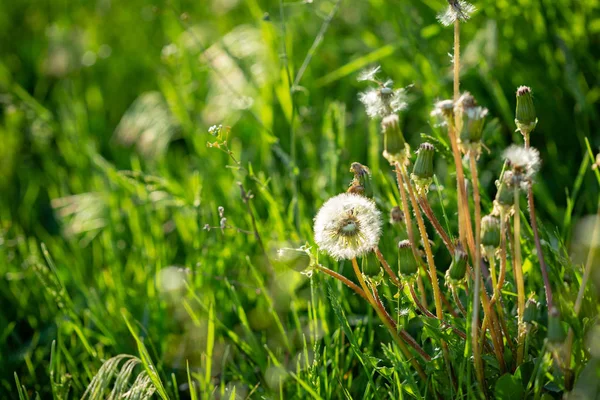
<point x="536" y="237"/>
<point x="520" y="283"/>
<point x="387" y="268"/>
<point x="579" y="301"/>
<point x="391" y="325"/>
<point x="437" y="295"/>
<point x="343" y="279"/>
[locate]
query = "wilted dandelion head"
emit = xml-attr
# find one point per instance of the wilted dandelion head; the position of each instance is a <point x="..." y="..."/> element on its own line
<point x="382" y="100"/>
<point x="458" y="10"/>
<point x="523" y="163"/>
<point x="347" y="226"/>
<point x="442" y="112"/>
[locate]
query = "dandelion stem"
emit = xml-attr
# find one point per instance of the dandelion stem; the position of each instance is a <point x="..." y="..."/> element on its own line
<point x="387" y="268"/>
<point x="391" y="324"/>
<point x="437" y="295"/>
<point x="518" y="271"/>
<point x="344" y="280"/>
<point x="456" y="59"/>
<point x="579" y="300"/>
<point x="536" y="237"/>
<point x="459" y="304"/>
<point x="424" y="203"/>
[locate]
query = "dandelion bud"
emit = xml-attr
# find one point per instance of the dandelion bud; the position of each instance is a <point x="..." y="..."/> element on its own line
<point x="443" y="112"/>
<point x="556" y="333"/>
<point x="531" y="309"/>
<point x="296" y="259"/>
<point x="470" y="118"/>
<point x="396" y="215"/>
<point x="505" y="196"/>
<point x="407" y="264"/>
<point x="458" y="267"/>
<point x="370" y="266"/>
<point x="423" y="170"/>
<point x="362" y="180"/>
<point x="395" y="147"/>
<point x="525" y="116"/>
<point x="490" y="231"/>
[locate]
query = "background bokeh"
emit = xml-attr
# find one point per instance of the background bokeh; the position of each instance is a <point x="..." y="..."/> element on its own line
<point x="105" y="109"/>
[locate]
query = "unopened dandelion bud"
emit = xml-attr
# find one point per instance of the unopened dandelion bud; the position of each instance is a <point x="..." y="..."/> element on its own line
<point x="407" y="264"/>
<point x="470" y="118"/>
<point x="422" y="173"/>
<point x="371" y="266"/>
<point x="525" y="116"/>
<point x="490" y="232"/>
<point x="531" y="310"/>
<point x="458" y="267"/>
<point x="505" y="195"/>
<point x="296" y="259"/>
<point x="396" y="215"/>
<point x="395" y="147"/>
<point x="362" y="180"/>
<point x="556" y="333"/>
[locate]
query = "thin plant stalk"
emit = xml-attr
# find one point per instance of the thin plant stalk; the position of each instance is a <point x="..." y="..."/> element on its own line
<point x="437" y="295"/>
<point x="459" y="304"/>
<point x="536" y="237"/>
<point x="387" y="268"/>
<point x="520" y="283"/>
<point x="579" y="300"/>
<point x="389" y="323"/>
<point x="424" y="203"/>
<point x="344" y="280"/>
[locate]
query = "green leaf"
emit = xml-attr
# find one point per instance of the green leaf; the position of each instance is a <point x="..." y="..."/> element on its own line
<point x="508" y="387"/>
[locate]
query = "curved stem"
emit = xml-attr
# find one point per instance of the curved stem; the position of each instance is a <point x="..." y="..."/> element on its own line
<point x="344" y="280"/>
<point x="391" y="324"/>
<point x="424" y="203"/>
<point x="454" y="290"/>
<point x="518" y="271"/>
<point x="387" y="268"/>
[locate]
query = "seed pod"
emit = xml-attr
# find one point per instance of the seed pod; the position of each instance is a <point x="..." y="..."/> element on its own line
<point x="490" y="231"/>
<point x="296" y="259"/>
<point x="422" y="173"/>
<point x="556" y="333"/>
<point x="505" y="195"/>
<point x="395" y="147"/>
<point x="458" y="267"/>
<point x="396" y="215"/>
<point x="470" y="119"/>
<point x="531" y="310"/>
<point x="525" y="116"/>
<point x="406" y="260"/>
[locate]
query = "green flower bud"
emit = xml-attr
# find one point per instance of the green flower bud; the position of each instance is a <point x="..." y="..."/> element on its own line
<point x="407" y="264"/>
<point x="490" y="231"/>
<point x="362" y="180"/>
<point x="505" y="196"/>
<point x="556" y="333"/>
<point x="395" y="147"/>
<point x="296" y="259"/>
<point x="458" y="267"/>
<point x="370" y="265"/>
<point x="422" y="173"/>
<point x="470" y="119"/>
<point x="531" y="310"/>
<point x="396" y="215"/>
<point x="525" y="116"/>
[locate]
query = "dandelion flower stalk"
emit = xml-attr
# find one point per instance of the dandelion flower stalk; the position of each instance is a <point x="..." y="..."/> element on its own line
<point x="520" y="283"/>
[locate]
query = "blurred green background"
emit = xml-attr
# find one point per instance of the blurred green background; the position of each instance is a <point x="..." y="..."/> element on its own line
<point x="105" y="109"/>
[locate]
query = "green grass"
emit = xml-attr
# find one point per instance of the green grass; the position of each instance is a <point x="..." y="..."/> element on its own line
<point x="106" y="183"/>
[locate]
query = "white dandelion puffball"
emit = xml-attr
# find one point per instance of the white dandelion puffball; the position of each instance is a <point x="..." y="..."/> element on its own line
<point x="347" y="226"/>
<point x="524" y="161"/>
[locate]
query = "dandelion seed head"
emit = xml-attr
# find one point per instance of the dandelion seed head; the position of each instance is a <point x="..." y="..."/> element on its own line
<point x="347" y="226"/>
<point x="460" y="10"/>
<point x="383" y="100"/>
<point x="442" y="111"/>
<point x="524" y="164"/>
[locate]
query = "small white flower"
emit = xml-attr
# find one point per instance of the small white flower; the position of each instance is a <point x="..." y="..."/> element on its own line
<point x="347" y="226"/>
<point x="457" y="10"/>
<point x="524" y="164"/>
